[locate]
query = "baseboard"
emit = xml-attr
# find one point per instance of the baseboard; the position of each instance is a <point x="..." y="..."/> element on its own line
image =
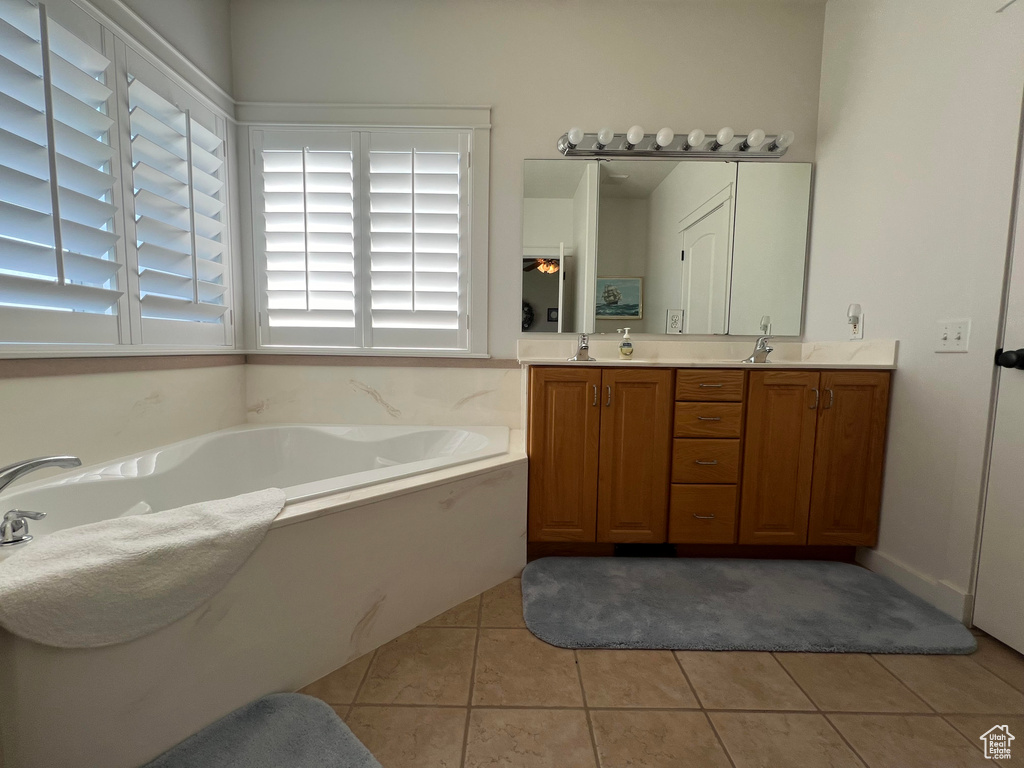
<point x="942" y="595"/>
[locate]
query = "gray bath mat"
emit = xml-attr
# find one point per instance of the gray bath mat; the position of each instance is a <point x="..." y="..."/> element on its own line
<point x="730" y="605"/>
<point x="283" y="729"/>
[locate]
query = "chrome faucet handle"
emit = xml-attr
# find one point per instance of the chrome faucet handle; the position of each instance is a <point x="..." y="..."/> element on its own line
<point x="12" y="472"/>
<point x="14" y="528"/>
<point x="582" y="350"/>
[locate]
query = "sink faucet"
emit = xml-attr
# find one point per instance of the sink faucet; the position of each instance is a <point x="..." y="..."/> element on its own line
<point x="14" y="527"/>
<point x="761" y="350"/>
<point x="582" y="351"/>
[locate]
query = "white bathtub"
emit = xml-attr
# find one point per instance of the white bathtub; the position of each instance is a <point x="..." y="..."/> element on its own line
<point x="385" y="527"/>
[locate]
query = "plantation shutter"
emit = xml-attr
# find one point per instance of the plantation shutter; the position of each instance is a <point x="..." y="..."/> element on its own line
<point x="58" y="148"/>
<point x="418" y="239"/>
<point x="178" y="175"/>
<point x="307" y="213"/>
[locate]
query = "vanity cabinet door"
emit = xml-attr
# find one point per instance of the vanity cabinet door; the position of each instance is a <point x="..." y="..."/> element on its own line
<point x="636" y="449"/>
<point x="564" y="430"/>
<point x="778" y="459"/>
<point x="849" y="457"/>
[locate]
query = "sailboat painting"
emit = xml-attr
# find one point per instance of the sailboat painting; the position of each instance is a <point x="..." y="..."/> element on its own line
<point x="620" y="298"/>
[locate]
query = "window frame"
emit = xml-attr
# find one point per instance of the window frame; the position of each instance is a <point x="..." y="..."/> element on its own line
<point x="359" y="119"/>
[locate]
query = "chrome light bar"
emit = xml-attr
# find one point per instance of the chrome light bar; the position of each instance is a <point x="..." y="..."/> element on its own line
<point x="665" y="144"/>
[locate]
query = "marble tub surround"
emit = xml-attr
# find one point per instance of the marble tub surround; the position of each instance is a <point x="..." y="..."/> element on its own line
<point x="659" y="352"/>
<point x="433" y="699"/>
<point x="434" y="396"/>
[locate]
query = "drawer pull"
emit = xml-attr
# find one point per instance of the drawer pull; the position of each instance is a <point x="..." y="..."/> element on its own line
<point x="709" y="418"/>
<point x="711" y="463"/>
<point x="703" y="517"/>
<point x="595" y="394"/>
<point x="711" y="386"/>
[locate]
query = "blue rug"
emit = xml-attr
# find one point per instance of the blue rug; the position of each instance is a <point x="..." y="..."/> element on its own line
<point x="730" y="605"/>
<point x="283" y="730"/>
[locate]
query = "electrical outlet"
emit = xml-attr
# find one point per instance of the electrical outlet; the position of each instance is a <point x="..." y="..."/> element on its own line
<point x="857" y="329"/>
<point x="953" y="335"/>
<point x="674" y="321"/>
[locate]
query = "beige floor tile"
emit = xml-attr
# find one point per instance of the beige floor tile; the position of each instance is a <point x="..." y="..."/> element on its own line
<point x="424" y="666"/>
<point x="781" y="740"/>
<point x="656" y="739"/>
<point x="340" y="686"/>
<point x="411" y="737"/>
<point x="741" y="680"/>
<point x="954" y="684"/>
<point x="972" y="726"/>
<point x="514" y="668"/>
<point x="1001" y="661"/>
<point x="528" y="738"/>
<point x="632" y="679"/>
<point x="503" y="605"/>
<point x="849" y="682"/>
<point x="908" y="741"/>
<point x="462" y="615"/>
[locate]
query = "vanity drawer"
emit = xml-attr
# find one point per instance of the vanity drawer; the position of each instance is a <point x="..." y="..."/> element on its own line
<point x="710" y="386"/>
<point x="708" y="419"/>
<point x="706" y="461"/>
<point x="702" y="514"/>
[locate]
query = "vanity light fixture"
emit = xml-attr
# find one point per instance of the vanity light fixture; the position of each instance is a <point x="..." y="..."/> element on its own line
<point x="722" y="138"/>
<point x="754" y="140"/>
<point x="724" y="144"/>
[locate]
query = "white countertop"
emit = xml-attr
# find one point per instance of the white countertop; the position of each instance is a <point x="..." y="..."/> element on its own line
<point x="660" y="353"/>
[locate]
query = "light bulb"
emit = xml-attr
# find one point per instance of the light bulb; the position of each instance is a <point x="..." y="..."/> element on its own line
<point x="725" y="136"/>
<point x="696" y="137"/>
<point x="605" y="136"/>
<point x="575" y="136"/>
<point x="754" y="139"/>
<point x="664" y="137"/>
<point x="785" y="139"/>
<point x="635" y="135"/>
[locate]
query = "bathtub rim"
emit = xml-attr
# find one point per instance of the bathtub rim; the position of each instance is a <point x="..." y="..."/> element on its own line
<point x="308" y="507"/>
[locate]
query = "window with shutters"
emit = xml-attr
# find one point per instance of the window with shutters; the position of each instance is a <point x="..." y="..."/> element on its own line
<point x="362" y="238"/>
<point x="113" y="192"/>
<point x="61" y="277"/>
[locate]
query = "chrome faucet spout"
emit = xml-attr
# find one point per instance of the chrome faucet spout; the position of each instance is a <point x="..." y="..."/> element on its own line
<point x="582" y="350"/>
<point x="761" y="350"/>
<point x="12" y="472"/>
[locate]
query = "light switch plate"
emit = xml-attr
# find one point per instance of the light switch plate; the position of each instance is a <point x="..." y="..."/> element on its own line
<point x="952" y="335"/>
<point x="674" y="321"/>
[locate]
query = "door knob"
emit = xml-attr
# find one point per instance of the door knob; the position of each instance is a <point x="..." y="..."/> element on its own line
<point x="1011" y="358"/>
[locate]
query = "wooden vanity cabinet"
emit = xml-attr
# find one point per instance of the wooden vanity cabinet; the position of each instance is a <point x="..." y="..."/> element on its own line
<point x="599" y="443"/>
<point x="813" y="458"/>
<point x="706" y="456"/>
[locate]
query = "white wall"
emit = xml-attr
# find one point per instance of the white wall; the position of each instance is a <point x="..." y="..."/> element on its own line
<point x="622" y="250"/>
<point x="543" y="66"/>
<point x="920" y="103"/>
<point x="102" y="416"/>
<point x="200" y="29"/>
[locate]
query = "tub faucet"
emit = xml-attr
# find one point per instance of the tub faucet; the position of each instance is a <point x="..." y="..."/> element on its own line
<point x="582" y="351"/>
<point x="761" y="350"/>
<point x="14" y="526"/>
<point x="11" y="473"/>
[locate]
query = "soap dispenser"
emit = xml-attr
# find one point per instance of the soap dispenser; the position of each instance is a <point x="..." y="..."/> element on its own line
<point x="626" y="345"/>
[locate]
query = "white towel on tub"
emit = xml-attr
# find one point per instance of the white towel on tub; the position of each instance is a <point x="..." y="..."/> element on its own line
<point x="120" y="579"/>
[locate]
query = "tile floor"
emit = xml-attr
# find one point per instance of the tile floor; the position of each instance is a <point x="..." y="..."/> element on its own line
<point x="473" y="688"/>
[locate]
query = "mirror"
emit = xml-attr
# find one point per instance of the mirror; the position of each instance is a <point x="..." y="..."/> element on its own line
<point x="664" y="246"/>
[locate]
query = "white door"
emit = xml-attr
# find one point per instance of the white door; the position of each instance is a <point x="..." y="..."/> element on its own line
<point x="999" y="599"/>
<point x="707" y="267"/>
